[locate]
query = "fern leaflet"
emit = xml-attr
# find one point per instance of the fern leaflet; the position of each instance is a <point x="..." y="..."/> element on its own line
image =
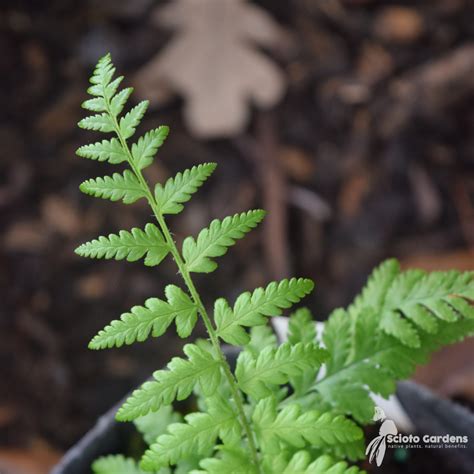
<point x="250" y="308"/>
<point x="131" y="246"/>
<point x="216" y="239"/>
<point x="178" y="190"/>
<point x="198" y="435"/>
<point x="146" y="147"/>
<point x="298" y="429"/>
<point x="177" y="382"/>
<point x="118" y="186"/>
<point x="153" y="318"/>
<point x="276" y="366"/>
<point x="116" y="464"/>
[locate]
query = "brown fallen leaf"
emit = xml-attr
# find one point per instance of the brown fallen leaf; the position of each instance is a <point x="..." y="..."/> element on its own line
<point x="213" y="64"/>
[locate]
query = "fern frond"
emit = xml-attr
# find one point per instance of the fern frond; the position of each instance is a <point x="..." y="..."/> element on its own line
<point x="276" y="366"/>
<point x="297" y="429"/>
<point x="130" y="121"/>
<point x="359" y="349"/>
<point x="146" y="147"/>
<point x="177" y="382"/>
<point x="178" y="190"/>
<point x="250" y="308"/>
<point x="116" y="464"/>
<point x="118" y="186"/>
<point x="131" y="246"/>
<point x="106" y="150"/>
<point x="198" y="435"/>
<point x="153" y="318"/>
<point x="414" y="299"/>
<point x="214" y="240"/>
<point x="156" y="423"/>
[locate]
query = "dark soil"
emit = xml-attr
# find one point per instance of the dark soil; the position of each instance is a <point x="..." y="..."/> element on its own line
<point x="365" y="171"/>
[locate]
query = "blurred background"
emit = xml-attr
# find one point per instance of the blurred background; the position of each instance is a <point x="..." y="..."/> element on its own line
<point x="350" y="121"/>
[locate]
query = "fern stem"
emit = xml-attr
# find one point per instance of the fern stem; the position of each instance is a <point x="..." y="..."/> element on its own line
<point x="236" y="393"/>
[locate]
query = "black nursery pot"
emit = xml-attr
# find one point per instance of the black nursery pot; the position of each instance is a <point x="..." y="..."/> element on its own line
<point x="108" y="436"/>
<point x="429" y="413"/>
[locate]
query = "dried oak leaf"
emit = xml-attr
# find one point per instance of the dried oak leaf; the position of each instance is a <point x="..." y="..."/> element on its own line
<point x="213" y="62"/>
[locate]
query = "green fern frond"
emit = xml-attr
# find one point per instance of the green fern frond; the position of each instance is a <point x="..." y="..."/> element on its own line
<point x="177" y="382"/>
<point x="359" y="350"/>
<point x="214" y="240"/>
<point x="198" y="435"/>
<point x="154" y="318"/>
<point x="178" y="190"/>
<point x="118" y="186"/>
<point x="116" y="464"/>
<point x="131" y="246"/>
<point x="293" y="427"/>
<point x="276" y="366"/>
<point x="146" y="147"/>
<point x="250" y="308"/>
<point x="413" y="300"/>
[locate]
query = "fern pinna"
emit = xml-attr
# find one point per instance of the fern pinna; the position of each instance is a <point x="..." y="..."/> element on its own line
<point x="275" y="413"/>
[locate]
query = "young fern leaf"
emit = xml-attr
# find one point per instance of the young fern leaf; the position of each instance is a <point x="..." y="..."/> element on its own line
<point x="414" y="298"/>
<point x="293" y="427"/>
<point x="118" y="186"/>
<point x="250" y="308"/>
<point x="198" y="435"/>
<point x="214" y="240"/>
<point x="152" y="319"/>
<point x="276" y="366"/>
<point x="146" y="147"/>
<point x="359" y="349"/>
<point x="131" y="246"/>
<point x="175" y="383"/>
<point x="116" y="464"/>
<point x="178" y="190"/>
